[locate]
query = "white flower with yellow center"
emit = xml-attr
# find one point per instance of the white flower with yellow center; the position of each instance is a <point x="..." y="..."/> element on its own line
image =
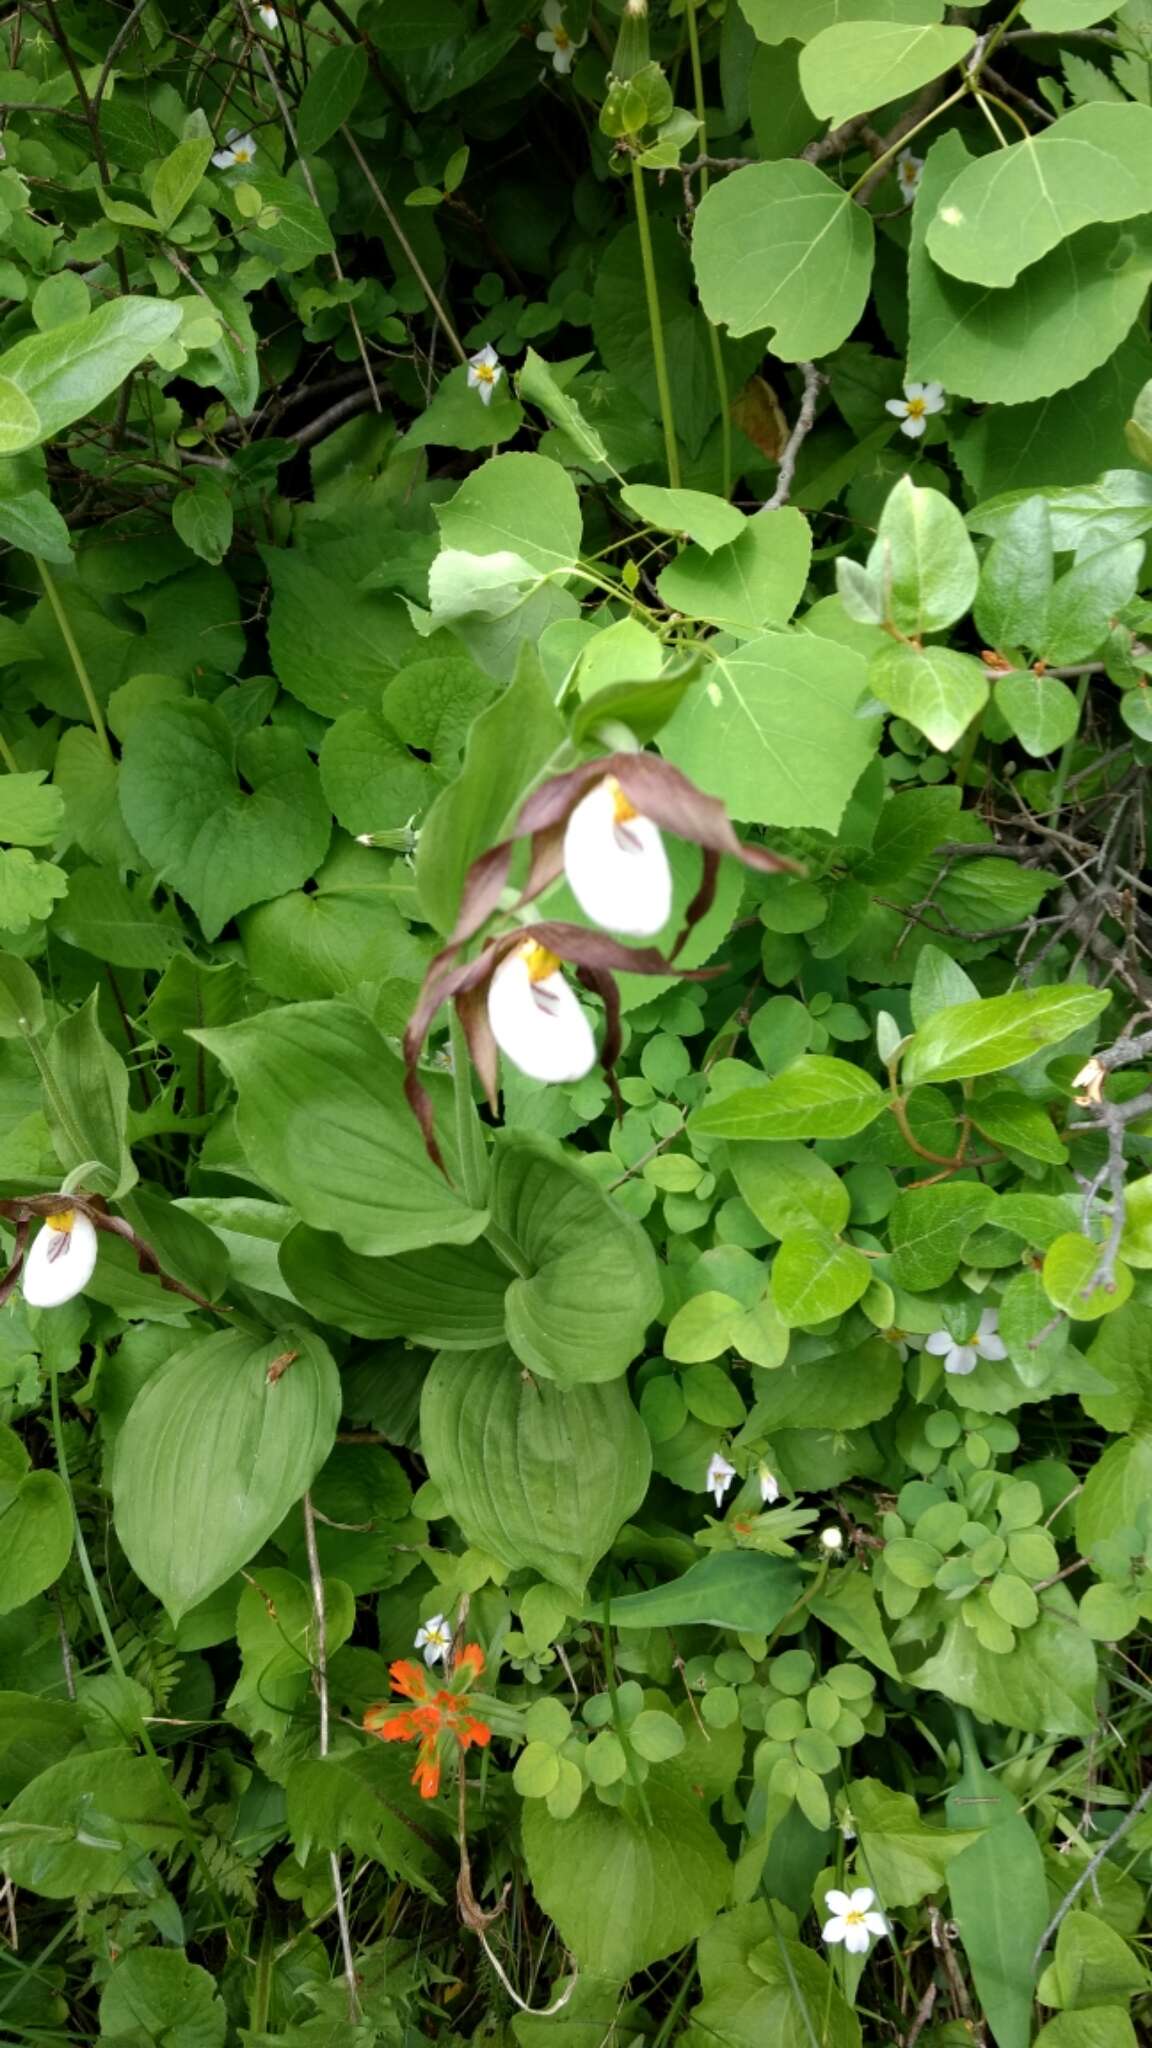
<point x="615" y="862"/>
<point x="719" y="1478"/>
<point x="535" y="1018"/>
<point x="853" y="1922"/>
<point x="554" y="39"/>
<point x="61" y="1261"/>
<point x="435" y="1639"/>
<point x="909" y="170"/>
<point x="484" y="372"/>
<point x="238" y="150"/>
<point x="913" y="409"/>
<point x="962" y="1354"/>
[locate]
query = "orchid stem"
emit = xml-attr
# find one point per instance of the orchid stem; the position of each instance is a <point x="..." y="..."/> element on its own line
<point x="469" y="1139"/>
<point x="1066" y="753"/>
<point x="74" y="655"/>
<point x="656" y="326"/>
<point x="715" y="349"/>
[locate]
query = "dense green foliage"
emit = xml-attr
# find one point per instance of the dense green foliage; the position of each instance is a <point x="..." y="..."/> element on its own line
<point x="488" y="1559"/>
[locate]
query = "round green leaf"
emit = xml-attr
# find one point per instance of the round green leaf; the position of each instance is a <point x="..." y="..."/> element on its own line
<point x="623" y="1886"/>
<point x="1070" y="1267"/>
<point x="780" y="246"/>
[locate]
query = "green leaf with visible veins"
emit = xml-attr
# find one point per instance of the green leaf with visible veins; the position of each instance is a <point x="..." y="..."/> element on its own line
<point x="1010" y="208"/>
<point x="228" y="823"/>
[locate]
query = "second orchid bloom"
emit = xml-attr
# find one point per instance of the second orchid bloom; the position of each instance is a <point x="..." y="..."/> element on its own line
<point x="599" y="827"/>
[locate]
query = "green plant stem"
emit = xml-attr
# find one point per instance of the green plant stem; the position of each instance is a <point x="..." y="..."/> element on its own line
<point x="968" y="750"/>
<point x="674" y="2011"/>
<point x="1066" y="753"/>
<point x="997" y="34"/>
<point x="117" y="1663"/>
<point x="656" y="326"/>
<point x="469" y="1137"/>
<point x="8" y="757"/>
<point x="714" y="347"/>
<point x="953" y="100"/>
<point x="52" y="1091"/>
<point x="617" y="1716"/>
<point x="74" y="655"/>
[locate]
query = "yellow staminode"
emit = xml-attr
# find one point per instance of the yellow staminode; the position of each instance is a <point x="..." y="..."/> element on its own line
<point x="622" y="808"/>
<point x="61" y="1220"/>
<point x="540" y="962"/>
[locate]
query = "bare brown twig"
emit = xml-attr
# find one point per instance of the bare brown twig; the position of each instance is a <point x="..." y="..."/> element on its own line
<point x="814" y="381"/>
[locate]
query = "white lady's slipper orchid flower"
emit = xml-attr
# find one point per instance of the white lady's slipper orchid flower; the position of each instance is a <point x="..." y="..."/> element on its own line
<point x="615" y="862"/>
<point x="555" y="41"/>
<point x="719" y="1478"/>
<point x="484" y="372"/>
<point x="535" y="1018"/>
<point x="238" y="149"/>
<point x="961" y="1355"/>
<point x="909" y="170"/>
<point x="61" y="1261"/>
<point x="435" y="1639"/>
<point x="271" y="19"/>
<point x="853" y="1922"/>
<point x="913" y="409"/>
<point x="769" y="1486"/>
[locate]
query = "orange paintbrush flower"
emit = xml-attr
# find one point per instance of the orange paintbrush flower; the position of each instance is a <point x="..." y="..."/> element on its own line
<point x="437" y="1717"/>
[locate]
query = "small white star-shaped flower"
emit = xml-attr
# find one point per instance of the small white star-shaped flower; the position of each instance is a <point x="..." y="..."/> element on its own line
<point x="269" y="17"/>
<point x="238" y="149"/>
<point x="853" y="1922"/>
<point x="769" y="1486"/>
<point x="435" y="1639"/>
<point x="719" y="1478"/>
<point x="909" y="170"/>
<point x="913" y="409"/>
<point x="484" y="372"/>
<point x="555" y="41"/>
<point x="961" y="1355"/>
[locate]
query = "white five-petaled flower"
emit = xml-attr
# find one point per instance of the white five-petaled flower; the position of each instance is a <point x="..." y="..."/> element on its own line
<point x="435" y="1639"/>
<point x="615" y="862"/>
<point x="269" y="17"/>
<point x="908" y="173"/>
<point x="719" y="1478"/>
<point x="535" y="1018"/>
<point x="555" y="40"/>
<point x="961" y="1355"/>
<point x="484" y="372"/>
<point x="61" y="1261"/>
<point x="913" y="409"/>
<point x="238" y="149"/>
<point x="769" y="1486"/>
<point x="853" y="1922"/>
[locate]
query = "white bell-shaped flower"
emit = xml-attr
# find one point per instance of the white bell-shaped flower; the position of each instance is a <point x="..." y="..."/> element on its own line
<point x="535" y="1017"/>
<point x="616" y="864"/>
<point x="61" y="1260"/>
